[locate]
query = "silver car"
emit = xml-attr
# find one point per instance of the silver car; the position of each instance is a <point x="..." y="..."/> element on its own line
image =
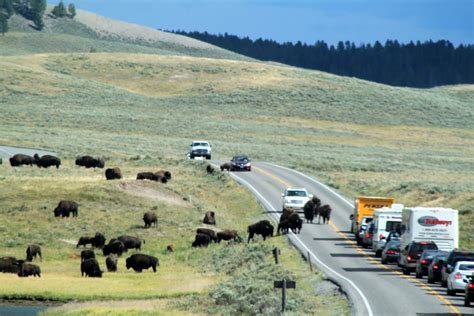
<point x="457" y="279"/>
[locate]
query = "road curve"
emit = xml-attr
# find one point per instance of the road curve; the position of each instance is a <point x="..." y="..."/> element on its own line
<point x="373" y="288"/>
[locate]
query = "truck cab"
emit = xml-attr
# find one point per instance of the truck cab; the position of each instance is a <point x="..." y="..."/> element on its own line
<point x="200" y="148"/>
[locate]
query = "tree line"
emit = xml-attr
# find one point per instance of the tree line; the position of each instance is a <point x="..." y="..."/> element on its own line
<point x="32" y="10"/>
<point x="420" y="65"/>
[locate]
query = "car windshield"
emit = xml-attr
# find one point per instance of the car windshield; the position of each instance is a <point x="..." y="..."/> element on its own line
<point x="428" y="254"/>
<point x="296" y="193"/>
<point x="391" y="226"/>
<point x="240" y="158"/>
<point x="466" y="266"/>
<point x="200" y="144"/>
<point x="393" y="244"/>
<point x="418" y="248"/>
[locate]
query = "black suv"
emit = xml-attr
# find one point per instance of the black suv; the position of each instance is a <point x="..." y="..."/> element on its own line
<point x="412" y="252"/>
<point x="453" y="257"/>
<point x="423" y="263"/>
<point x="434" y="270"/>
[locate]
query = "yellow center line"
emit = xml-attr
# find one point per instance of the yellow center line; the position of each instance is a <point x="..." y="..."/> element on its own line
<point x="369" y="257"/>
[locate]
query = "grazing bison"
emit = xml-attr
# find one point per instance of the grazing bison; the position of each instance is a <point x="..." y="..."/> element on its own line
<point x="226" y="166"/>
<point x="201" y="240"/>
<point x="131" y="242"/>
<point x="47" y="161"/>
<point x="263" y="228"/>
<point x="150" y="218"/>
<point x="9" y="265"/>
<point x="139" y="262"/>
<point x="65" y="208"/>
<point x="206" y="231"/>
<point x="324" y="212"/>
<point x="209" y="218"/>
<point x="20" y="159"/>
<point x="147" y="176"/>
<point x="84" y="241"/>
<point x="111" y="263"/>
<point x="87" y="254"/>
<point x="32" y="251"/>
<point x="210" y="169"/>
<point x="170" y="248"/>
<point x="99" y="240"/>
<point x="27" y="269"/>
<point x="90" y="268"/>
<point x="228" y="234"/>
<point x="113" y="173"/>
<point x="114" y="247"/>
<point x="90" y="162"/>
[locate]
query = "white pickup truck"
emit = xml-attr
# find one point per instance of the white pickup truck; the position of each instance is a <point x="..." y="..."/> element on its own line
<point x="200" y="148"/>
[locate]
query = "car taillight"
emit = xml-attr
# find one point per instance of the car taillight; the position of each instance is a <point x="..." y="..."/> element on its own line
<point x="436" y="267"/>
<point x="470" y="286"/>
<point x="458" y="276"/>
<point x="380" y="236"/>
<point x="423" y="261"/>
<point x="367" y="235"/>
<point x="391" y="252"/>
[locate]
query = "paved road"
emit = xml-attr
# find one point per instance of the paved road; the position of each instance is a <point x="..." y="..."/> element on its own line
<point x="7" y="152"/>
<point x="374" y="289"/>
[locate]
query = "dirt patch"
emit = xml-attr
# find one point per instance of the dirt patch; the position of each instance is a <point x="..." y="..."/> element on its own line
<point x="152" y="191"/>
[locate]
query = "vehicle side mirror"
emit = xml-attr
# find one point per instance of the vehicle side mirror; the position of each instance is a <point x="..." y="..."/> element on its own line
<point x="351" y="217"/>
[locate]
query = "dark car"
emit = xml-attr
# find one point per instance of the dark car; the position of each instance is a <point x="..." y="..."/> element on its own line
<point x="453" y="257"/>
<point x="412" y="252"/>
<point x="368" y="235"/>
<point x="240" y="163"/>
<point x="391" y="251"/>
<point x="423" y="263"/>
<point x="434" y="269"/>
<point x="469" y="293"/>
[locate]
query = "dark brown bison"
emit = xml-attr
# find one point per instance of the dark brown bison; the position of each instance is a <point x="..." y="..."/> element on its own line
<point x="114" y="247"/>
<point x="226" y="166"/>
<point x="131" y="242"/>
<point x="47" y="161"/>
<point x="87" y="254"/>
<point x="150" y="218"/>
<point x="111" y="263"/>
<point x="324" y="212"/>
<point x="295" y="223"/>
<point x="209" y="218"/>
<point x="99" y="240"/>
<point x="84" y="241"/>
<point x="285" y="214"/>
<point x="9" y="265"/>
<point x="20" y="159"/>
<point x="113" y="173"/>
<point x="27" y="269"/>
<point x="147" y="176"/>
<point x="90" y="162"/>
<point x="206" y="231"/>
<point x="210" y="169"/>
<point x="201" y="240"/>
<point x="65" y="208"/>
<point x="139" y="262"/>
<point x="163" y="174"/>
<point x="228" y="234"/>
<point x="90" y="268"/>
<point x="263" y="228"/>
<point x="32" y="251"/>
<point x="309" y="209"/>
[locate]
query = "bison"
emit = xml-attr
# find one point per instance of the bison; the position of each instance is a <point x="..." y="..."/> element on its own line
<point x="147" y="176"/>
<point x="295" y="223"/>
<point x="90" y="268"/>
<point x="324" y="212"/>
<point x="27" y="269"/>
<point x="228" y="234"/>
<point x="201" y="240"/>
<point x="150" y="218"/>
<point x="84" y="241"/>
<point x="206" y="231"/>
<point x="226" y="166"/>
<point x="114" y="247"/>
<point x="170" y="248"/>
<point x="47" y="161"/>
<point x="131" y="242"/>
<point x="139" y="262"/>
<point x="263" y="228"/>
<point x="32" y="251"/>
<point x="9" y="265"/>
<point x="163" y="175"/>
<point x="209" y="218"/>
<point x="87" y="254"/>
<point x="113" y="173"/>
<point x="20" y="159"/>
<point x="65" y="208"/>
<point x="310" y="209"/>
<point x="90" y="162"/>
<point x="99" y="240"/>
<point x="111" y="263"/>
<point x="210" y="169"/>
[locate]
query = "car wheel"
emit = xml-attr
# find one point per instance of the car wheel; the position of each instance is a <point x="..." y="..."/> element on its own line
<point x="451" y="292"/>
<point x="444" y="283"/>
<point x="406" y="271"/>
<point x="418" y="275"/>
<point x="430" y="280"/>
<point x="191" y="157"/>
<point x="467" y="301"/>
<point x="378" y="253"/>
<point x="208" y="157"/>
<point x="384" y="261"/>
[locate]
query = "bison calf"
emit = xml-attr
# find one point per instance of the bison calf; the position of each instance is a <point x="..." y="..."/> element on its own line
<point x="139" y="262"/>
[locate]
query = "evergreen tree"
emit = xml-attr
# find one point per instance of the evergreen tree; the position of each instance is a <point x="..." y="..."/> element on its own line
<point x="3" y="21"/>
<point x="37" y="11"/>
<point x="59" y="10"/>
<point x="72" y="10"/>
<point x="7" y="6"/>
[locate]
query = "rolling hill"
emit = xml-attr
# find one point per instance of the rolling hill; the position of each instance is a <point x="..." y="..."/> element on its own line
<point x="138" y="96"/>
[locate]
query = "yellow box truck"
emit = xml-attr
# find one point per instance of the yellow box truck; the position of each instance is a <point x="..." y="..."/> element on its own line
<point x="365" y="206"/>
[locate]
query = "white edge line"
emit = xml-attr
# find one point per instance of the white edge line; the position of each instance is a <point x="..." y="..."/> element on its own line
<point x="366" y="302"/>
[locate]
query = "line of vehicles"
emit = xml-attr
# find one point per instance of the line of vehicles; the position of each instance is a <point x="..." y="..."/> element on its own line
<point x="423" y="240"/>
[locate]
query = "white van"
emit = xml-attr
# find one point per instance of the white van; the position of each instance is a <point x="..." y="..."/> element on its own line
<point x="386" y="220"/>
<point x="436" y="224"/>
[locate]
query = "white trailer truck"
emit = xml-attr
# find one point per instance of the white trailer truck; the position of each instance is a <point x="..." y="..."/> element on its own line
<point x="386" y="220"/>
<point x="440" y="225"/>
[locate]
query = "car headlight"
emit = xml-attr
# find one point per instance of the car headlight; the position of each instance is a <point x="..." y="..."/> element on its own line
<point x="247" y="164"/>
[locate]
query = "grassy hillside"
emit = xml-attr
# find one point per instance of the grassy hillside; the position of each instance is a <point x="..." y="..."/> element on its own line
<point x="138" y="100"/>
